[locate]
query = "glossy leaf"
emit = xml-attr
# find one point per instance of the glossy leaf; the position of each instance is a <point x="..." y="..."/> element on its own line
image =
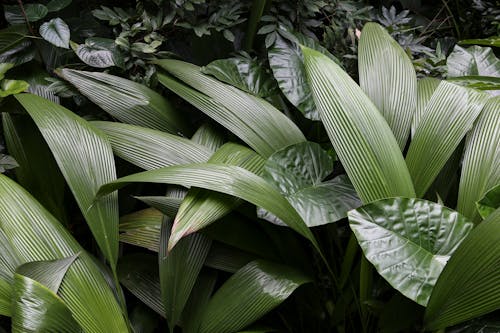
<point x="252" y="119"/>
<point x="490" y="202"/>
<point x="142" y="228"/>
<point x="207" y="135"/>
<point x="253" y="291"/>
<point x="475" y="60"/>
<point x="56" y="32"/>
<point x="391" y="84"/>
<point x="469" y="286"/>
<point x="409" y="241"/>
<point x="151" y="149"/>
<point x="360" y="135"/>
<point x="198" y="300"/>
<point x="167" y="205"/>
<point x="478" y="82"/>
<point x="9" y="260"/>
<point x="85" y="168"/>
<point x="453" y="108"/>
<point x="33" y="11"/>
<point x="48" y="273"/>
<point x="425" y="90"/>
<point x="57" y="5"/>
<point x="127" y="101"/>
<point x="481" y="160"/>
<point x="35" y="235"/>
<point x="227" y="258"/>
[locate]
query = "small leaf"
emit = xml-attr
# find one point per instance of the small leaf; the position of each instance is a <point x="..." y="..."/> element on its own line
<point x="490" y="202"/>
<point x="491" y="41"/>
<point x="56" y="32"/>
<point x="409" y="241"/>
<point x="57" y="5"/>
<point x="7" y="162"/>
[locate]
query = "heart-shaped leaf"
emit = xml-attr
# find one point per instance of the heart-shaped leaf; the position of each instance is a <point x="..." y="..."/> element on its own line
<point x="99" y="52"/>
<point x="409" y="241"/>
<point x="56" y="32"/>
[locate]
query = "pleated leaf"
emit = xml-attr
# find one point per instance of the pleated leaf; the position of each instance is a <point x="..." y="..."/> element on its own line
<point x="489" y="203"/>
<point x="481" y="161"/>
<point x="360" y="135"/>
<point x="85" y="158"/>
<point x="127" y="101"/>
<point x="201" y="207"/>
<point x="469" y="286"/>
<point x="167" y="205"/>
<point x="390" y="83"/>
<point x="35" y="235"/>
<point x="142" y="228"/>
<point x="409" y="241"/>
<point x="179" y="269"/>
<point x="48" y="273"/>
<point x="254" y="290"/>
<point x="425" y="90"/>
<point x="198" y="300"/>
<point x="227" y="179"/>
<point x="252" y="119"/>
<point x="449" y="115"/>
<point x="208" y="136"/>
<point x="9" y="260"/>
<point x="151" y="149"/>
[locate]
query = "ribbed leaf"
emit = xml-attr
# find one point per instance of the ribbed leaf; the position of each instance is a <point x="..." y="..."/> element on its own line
<point x="201" y="207"/>
<point x="208" y="136"/>
<point x="253" y="291"/>
<point x="360" y="135"/>
<point x="252" y="119"/>
<point x="142" y="228"/>
<point x="478" y="82"/>
<point x="36" y="235"/>
<point x="138" y="272"/>
<point x="167" y="205"/>
<point x="449" y="115"/>
<point x="56" y="32"/>
<point x="481" y="161"/>
<point x="227" y="258"/>
<point x="85" y="159"/>
<point x="425" y="90"/>
<point x="9" y="260"/>
<point x="469" y="286"/>
<point x="198" y="301"/>
<point x="392" y="83"/>
<point x="490" y="202"/>
<point x="151" y="149"/>
<point x="408" y="241"/>
<point x="475" y="60"/>
<point x="227" y="179"/>
<point x="127" y="101"/>
<point x="11" y="36"/>
<point x="48" y="273"/>
<point x="179" y="269"/>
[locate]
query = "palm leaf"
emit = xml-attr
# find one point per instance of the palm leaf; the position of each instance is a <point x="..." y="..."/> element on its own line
<point x="425" y="90"/>
<point x="9" y="260"/>
<point x="85" y="159"/>
<point x="198" y="300"/>
<point x="207" y="135"/>
<point x="142" y="228"/>
<point x="392" y="83"/>
<point x="360" y="135"/>
<point x="167" y="205"/>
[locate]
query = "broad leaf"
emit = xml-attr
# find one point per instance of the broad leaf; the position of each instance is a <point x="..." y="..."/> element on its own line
<point x="392" y="83"/>
<point x="491" y="41"/>
<point x="35" y="235"/>
<point x="425" y="90"/>
<point x="453" y="108"/>
<point x="253" y="291"/>
<point x="252" y="119"/>
<point x="475" y="60"/>
<point x="142" y="228"/>
<point x="12" y="36"/>
<point x="360" y="135"/>
<point x="85" y="168"/>
<point x="490" y="202"/>
<point x="56" y="32"/>
<point x="127" y="101"/>
<point x="99" y="52"/>
<point x="478" y="82"/>
<point x="48" y="273"/>
<point x="409" y="241"/>
<point x="33" y="11"/>
<point x="167" y="205"/>
<point x="9" y="260"/>
<point x="481" y="161"/>
<point x="469" y="285"/>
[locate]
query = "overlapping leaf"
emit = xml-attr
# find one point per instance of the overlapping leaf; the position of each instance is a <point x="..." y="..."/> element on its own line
<point x="490" y="202"/>
<point x="425" y="89"/>
<point x="142" y="228"/>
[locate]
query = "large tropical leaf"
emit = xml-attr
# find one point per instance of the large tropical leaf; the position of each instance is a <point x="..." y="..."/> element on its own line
<point x="56" y="32"/>
<point x="449" y="115"/>
<point x="475" y="60"/>
<point x="425" y="90"/>
<point x="142" y="228"/>
<point x="35" y="235"/>
<point x="151" y="149"/>
<point x="409" y="241"/>
<point x="209" y="136"/>
<point x="252" y="119"/>
<point x="360" y="135"/>
<point x="127" y="101"/>
<point x="254" y="290"/>
<point x="469" y="285"/>
<point x="168" y="205"/>
<point x="85" y="159"/>
<point x="392" y="83"/>
<point x="481" y="161"/>
<point x="11" y="36"/>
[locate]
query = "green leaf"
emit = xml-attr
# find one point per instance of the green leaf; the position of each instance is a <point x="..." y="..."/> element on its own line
<point x="167" y="205"/>
<point x="85" y="168"/>
<point x="9" y="260"/>
<point x="48" y="273"/>
<point x="298" y="172"/>
<point x="207" y="135"/>
<point x="179" y="269"/>
<point x="151" y="149"/>
<point x="469" y="285"/>
<point x="409" y="241"/>
<point x="286" y="61"/>
<point x="480" y="166"/>
<point x="197" y="302"/>
<point x="127" y="101"/>
<point x="143" y="320"/>
<point x="425" y="90"/>
<point x="36" y="235"/>
<point x="57" y="5"/>
<point x="142" y="228"/>
<point x="253" y="120"/>
<point x="12" y="36"/>
<point x="201" y="207"/>
<point x="491" y="41"/>
<point x="490" y="202"/>
<point x="7" y="162"/>
<point x="100" y="53"/>
<point x="56" y="32"/>
<point x="360" y="135"/>
<point x="12" y="87"/>
<point x="4" y="68"/>
<point x="477" y="82"/>
<point x="34" y="12"/>
<point x="246" y="296"/>
<point x="390" y="84"/>
<point x="475" y="60"/>
<point x="243" y="73"/>
<point x="449" y="115"/>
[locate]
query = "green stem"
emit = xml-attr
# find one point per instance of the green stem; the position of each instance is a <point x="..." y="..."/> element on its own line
<point x="255" y="14"/>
